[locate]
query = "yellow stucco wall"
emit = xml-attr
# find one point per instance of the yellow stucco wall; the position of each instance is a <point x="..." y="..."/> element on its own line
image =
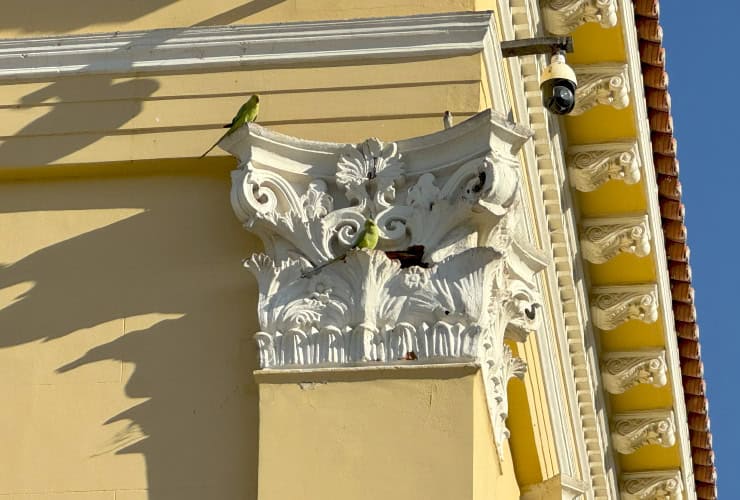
<point x="125" y="351"/>
<point x="414" y="433"/>
<point x="180" y="116"/>
<point x="21" y="18"/>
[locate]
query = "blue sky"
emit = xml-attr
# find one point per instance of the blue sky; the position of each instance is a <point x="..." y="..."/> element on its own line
<point x="701" y="54"/>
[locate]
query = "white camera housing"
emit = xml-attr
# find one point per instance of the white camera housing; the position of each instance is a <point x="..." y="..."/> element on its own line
<point x="558" y="84"/>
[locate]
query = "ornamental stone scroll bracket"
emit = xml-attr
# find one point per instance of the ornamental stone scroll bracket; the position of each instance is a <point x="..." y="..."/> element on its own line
<point x="452" y="276"/>
<point x="652" y="485"/>
<point x="561" y="17"/>
<point x="601" y="84"/>
<point x="602" y="239"/>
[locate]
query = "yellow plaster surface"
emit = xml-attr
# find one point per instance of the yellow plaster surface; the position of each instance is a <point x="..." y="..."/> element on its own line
<point x="594" y="44"/>
<point x="523" y="439"/>
<point x="402" y="434"/>
<point x="125" y="353"/>
<point x="633" y="335"/>
<point x="600" y="124"/>
<point x="642" y="397"/>
<point x="21" y="17"/>
<point x="492" y="478"/>
<point x="623" y="269"/>
<point x="179" y="116"/>
<point x="651" y="457"/>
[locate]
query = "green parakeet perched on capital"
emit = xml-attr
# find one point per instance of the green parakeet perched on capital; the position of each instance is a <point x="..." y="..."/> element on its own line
<point x="247" y="113"/>
<point x="367" y="238"/>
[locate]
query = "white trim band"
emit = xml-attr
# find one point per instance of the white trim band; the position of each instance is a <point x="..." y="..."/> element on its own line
<point x="183" y="49"/>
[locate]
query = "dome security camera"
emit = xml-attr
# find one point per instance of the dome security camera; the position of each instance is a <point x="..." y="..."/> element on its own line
<point x="558" y="85"/>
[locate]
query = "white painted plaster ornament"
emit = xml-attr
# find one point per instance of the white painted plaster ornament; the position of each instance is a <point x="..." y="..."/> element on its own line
<point x="452" y="274"/>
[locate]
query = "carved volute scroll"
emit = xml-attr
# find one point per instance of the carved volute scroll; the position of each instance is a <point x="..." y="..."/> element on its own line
<point x="605" y="84"/>
<point x="450" y="278"/>
<point x="622" y="371"/>
<point x="561" y="17"/>
<point x="634" y="430"/>
<point x="590" y="166"/>
<point x="604" y="238"/>
<point x="611" y="306"/>
<point x="652" y="485"/>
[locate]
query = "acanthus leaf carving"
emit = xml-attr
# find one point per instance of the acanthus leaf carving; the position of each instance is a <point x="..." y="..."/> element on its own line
<point x="561" y="17"/>
<point x="614" y="305"/>
<point x="622" y="371"/>
<point x="603" y="239"/>
<point x="652" y="485"/>
<point x="605" y="84"/>
<point x="590" y="166"/>
<point x="632" y="431"/>
<point x="448" y="201"/>
<point x="498" y="368"/>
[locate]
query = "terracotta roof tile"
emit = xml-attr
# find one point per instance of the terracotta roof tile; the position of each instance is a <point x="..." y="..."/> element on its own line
<point x="660" y="121"/>
<point x="687" y="330"/>
<point x="706" y="491"/>
<point x="657" y="98"/>
<point x="647" y="8"/>
<point x="672" y="209"/>
<point x="698" y="422"/>
<point x="649" y="29"/>
<point x="702" y="456"/>
<point x="655" y="78"/>
<point x="679" y="271"/>
<point x="652" y="53"/>
<point x="669" y="186"/>
<point x="666" y="165"/>
<point x="674" y="230"/>
<point x="663" y="143"/>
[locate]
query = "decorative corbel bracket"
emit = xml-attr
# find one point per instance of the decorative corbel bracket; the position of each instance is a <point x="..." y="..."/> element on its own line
<point x="590" y="166"/>
<point x="603" y="239"/>
<point x="450" y="277"/>
<point x="632" y="431"/>
<point x="621" y="371"/>
<point x="562" y="17"/>
<point x="652" y="485"/>
<point x="611" y="306"/>
<point x="605" y="84"/>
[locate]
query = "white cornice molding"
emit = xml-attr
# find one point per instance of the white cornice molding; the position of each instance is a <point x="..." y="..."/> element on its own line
<point x="591" y="165"/>
<point x="561" y="17"/>
<point x="652" y="485"/>
<point x="621" y="371"/>
<point x="190" y="49"/>
<point x="602" y="239"/>
<point x="631" y="431"/>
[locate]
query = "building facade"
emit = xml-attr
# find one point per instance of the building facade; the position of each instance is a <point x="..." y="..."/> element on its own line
<point x="523" y="329"/>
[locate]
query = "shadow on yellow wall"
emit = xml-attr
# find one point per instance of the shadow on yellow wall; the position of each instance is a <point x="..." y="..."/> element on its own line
<point x="54" y="17"/>
<point x="118" y="102"/>
<point x="179" y="258"/>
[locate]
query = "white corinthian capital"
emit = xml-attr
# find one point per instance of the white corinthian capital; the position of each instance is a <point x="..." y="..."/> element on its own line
<point x="450" y="278"/>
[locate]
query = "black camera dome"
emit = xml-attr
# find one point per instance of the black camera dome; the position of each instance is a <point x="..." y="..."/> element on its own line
<point x="559" y="95"/>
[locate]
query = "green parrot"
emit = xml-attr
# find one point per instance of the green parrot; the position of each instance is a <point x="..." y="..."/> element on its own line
<point x="368" y="238"/>
<point x="247" y="113"/>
